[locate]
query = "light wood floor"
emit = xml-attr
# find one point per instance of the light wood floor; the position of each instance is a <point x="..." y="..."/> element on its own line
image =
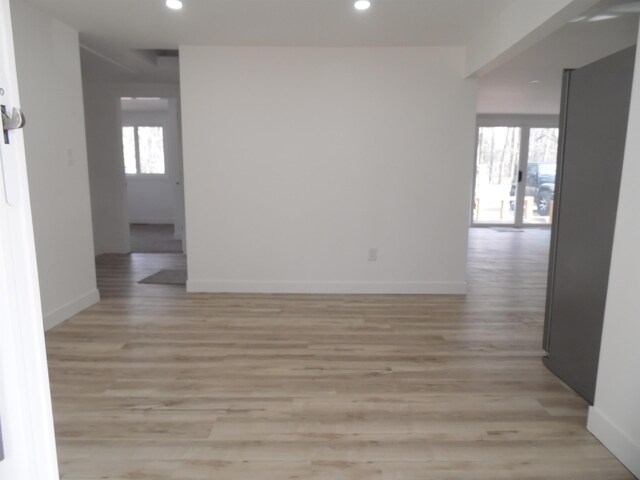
<point x="154" y="383"/>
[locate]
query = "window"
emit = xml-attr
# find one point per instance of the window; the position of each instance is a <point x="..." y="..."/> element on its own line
<point x="515" y="183"/>
<point x="497" y="161"/>
<point x="143" y="150"/>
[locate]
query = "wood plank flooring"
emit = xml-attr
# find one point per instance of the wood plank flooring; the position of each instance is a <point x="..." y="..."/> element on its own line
<point x="155" y="383"/>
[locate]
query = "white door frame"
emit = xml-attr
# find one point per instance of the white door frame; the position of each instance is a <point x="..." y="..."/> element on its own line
<point x="171" y="93"/>
<point x="25" y="400"/>
<point x="525" y="123"/>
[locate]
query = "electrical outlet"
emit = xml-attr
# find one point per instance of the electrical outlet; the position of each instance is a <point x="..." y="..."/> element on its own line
<point x="373" y="254"/>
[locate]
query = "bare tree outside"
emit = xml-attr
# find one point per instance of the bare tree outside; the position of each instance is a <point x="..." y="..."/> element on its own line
<point x="496" y="165"/>
<point x="541" y="174"/>
<point x="143" y="150"/>
<point x="543" y="145"/>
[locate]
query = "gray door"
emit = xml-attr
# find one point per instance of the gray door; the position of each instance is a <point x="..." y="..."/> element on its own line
<point x="594" y="125"/>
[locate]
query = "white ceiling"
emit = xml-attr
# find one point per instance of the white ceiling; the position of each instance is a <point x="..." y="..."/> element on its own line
<point x="149" y="24"/>
<point x="507" y="89"/>
<point x="122" y="65"/>
<point x="113" y="31"/>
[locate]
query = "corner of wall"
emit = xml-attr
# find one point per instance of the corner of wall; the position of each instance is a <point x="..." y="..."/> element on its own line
<point x="614" y="438"/>
<point x="68" y="310"/>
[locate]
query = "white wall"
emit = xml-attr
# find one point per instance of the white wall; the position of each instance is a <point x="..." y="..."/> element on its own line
<point x="106" y="171"/>
<point x="109" y="199"/>
<point x="152" y="199"/>
<point x="615" y="416"/>
<point x="48" y="67"/>
<point x="298" y="160"/>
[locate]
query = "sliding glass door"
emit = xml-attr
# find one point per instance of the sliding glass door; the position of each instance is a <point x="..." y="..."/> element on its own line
<point x="515" y="172"/>
<point x="496" y="166"/>
<point x="541" y="175"/>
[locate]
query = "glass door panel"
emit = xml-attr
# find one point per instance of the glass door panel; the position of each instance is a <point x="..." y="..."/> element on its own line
<point x="497" y="163"/>
<point x="540" y="175"/>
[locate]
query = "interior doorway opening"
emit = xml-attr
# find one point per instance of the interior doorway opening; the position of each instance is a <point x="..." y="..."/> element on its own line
<point x="515" y="171"/>
<point x="153" y="171"/>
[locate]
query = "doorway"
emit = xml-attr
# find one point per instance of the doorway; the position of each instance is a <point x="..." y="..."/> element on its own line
<point x="153" y="169"/>
<point x="515" y="171"/>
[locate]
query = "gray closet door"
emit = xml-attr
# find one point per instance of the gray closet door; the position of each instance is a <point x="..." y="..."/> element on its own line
<point x="594" y="122"/>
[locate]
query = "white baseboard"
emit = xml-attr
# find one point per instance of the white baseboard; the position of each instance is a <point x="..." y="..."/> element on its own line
<point x="409" y="288"/>
<point x="120" y="247"/>
<point x="112" y="251"/>
<point x="151" y="221"/>
<point x="59" y="315"/>
<point x="616" y="440"/>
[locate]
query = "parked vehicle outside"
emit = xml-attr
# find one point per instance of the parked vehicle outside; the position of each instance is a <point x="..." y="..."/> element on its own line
<point x="540" y="184"/>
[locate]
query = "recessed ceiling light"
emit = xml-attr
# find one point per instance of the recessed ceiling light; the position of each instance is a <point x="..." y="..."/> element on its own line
<point x="534" y="81"/>
<point x="599" y="18"/>
<point x="362" y="4"/>
<point x="174" y="4"/>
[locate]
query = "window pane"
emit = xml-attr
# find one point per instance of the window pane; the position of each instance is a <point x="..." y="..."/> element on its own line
<point x="543" y="145"/>
<point x="151" y="145"/>
<point x="129" y="147"/>
<point x="541" y="175"/>
<point x="496" y="174"/>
